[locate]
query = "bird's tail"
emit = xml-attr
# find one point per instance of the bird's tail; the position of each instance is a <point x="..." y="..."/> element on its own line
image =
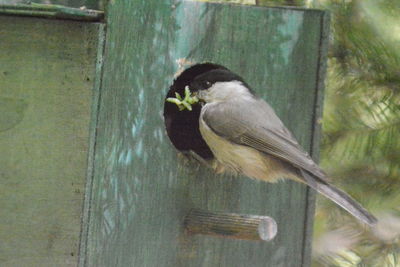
<point x="339" y="197"/>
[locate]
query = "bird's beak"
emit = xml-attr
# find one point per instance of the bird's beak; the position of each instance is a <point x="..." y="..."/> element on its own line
<point x="197" y="92"/>
<point x="198" y="95"/>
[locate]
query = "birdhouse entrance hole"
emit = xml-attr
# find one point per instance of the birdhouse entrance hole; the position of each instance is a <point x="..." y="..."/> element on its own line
<point x="183" y="126"/>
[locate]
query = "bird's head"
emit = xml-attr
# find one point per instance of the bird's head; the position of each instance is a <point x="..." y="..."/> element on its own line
<point x="219" y="85"/>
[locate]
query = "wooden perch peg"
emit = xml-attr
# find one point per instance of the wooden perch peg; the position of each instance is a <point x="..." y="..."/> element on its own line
<point x="231" y="225"/>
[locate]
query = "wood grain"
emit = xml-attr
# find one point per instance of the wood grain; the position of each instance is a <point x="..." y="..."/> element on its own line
<point x="142" y="189"/>
<point x="46" y="82"/>
<point x="51" y="11"/>
<point x="230" y="225"/>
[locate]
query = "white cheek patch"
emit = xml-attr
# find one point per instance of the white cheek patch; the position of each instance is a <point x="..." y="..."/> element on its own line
<point x="223" y="91"/>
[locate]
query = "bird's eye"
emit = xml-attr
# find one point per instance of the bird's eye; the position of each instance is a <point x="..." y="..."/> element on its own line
<point x="208" y="83"/>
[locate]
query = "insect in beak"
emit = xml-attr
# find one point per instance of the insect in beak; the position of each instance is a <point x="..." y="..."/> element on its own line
<point x="186" y="102"/>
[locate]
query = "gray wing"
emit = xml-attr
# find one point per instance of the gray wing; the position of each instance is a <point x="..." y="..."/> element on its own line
<point x="255" y="124"/>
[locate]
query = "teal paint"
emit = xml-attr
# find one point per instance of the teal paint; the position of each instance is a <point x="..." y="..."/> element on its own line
<point x="138" y="204"/>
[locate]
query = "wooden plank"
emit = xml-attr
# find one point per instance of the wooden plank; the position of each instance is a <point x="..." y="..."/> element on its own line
<point x="46" y="85"/>
<point x="141" y="189"/>
<point x="51" y="11"/>
<point x="316" y="132"/>
<point x="92" y="140"/>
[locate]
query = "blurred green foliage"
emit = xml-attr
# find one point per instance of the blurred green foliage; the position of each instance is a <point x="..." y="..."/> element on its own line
<point x="361" y="126"/>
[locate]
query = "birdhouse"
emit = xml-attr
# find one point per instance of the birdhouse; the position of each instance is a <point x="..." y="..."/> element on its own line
<point x="93" y="173"/>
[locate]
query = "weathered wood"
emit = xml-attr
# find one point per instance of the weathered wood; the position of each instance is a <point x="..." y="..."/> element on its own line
<point x="316" y="131"/>
<point x="230" y="225"/>
<point x="51" y="11"/>
<point x="47" y="71"/>
<point x="141" y="190"/>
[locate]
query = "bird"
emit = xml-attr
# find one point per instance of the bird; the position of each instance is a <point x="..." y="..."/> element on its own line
<point x="247" y="137"/>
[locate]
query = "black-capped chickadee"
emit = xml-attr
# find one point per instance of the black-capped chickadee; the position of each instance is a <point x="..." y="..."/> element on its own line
<point x="247" y="137"/>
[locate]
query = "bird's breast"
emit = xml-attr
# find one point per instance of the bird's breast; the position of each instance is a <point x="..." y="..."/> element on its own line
<point x="241" y="159"/>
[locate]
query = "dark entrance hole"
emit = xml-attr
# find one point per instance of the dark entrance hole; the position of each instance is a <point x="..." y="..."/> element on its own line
<point x="183" y="126"/>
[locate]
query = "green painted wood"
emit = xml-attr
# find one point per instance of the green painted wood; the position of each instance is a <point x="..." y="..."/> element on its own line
<point x="47" y="71"/>
<point x="51" y="11"/>
<point x="90" y="4"/>
<point x="142" y="189"/>
<point x="316" y="131"/>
